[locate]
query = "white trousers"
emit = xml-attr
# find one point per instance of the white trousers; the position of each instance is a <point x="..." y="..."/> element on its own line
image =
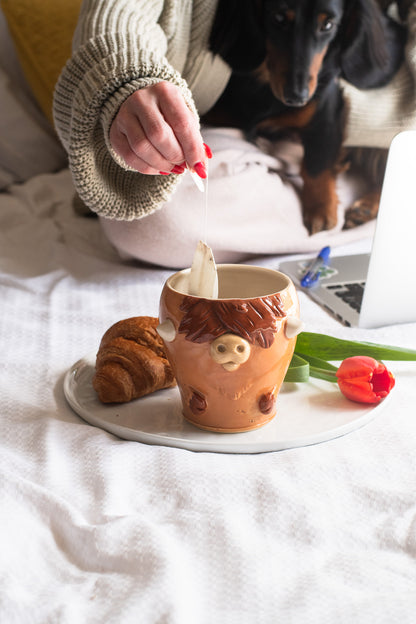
<point x="252" y="208"/>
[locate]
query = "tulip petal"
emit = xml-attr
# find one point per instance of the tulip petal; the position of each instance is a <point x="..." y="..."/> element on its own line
<point x="361" y="393"/>
<point x="383" y="381"/>
<point x="364" y="379"/>
<point x="357" y="366"/>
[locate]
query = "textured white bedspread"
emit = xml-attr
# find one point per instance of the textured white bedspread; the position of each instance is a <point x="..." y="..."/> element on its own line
<point x="99" y="530"/>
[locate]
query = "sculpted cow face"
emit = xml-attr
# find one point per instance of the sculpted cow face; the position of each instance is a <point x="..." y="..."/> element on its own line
<point x="230" y="351"/>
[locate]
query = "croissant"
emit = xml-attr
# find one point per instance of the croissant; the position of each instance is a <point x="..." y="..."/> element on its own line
<point x="131" y="361"/>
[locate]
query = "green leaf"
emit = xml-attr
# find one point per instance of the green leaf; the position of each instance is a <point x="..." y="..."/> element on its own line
<point x="298" y="370"/>
<point x="330" y="348"/>
<point x="317" y="362"/>
<point x="320" y="368"/>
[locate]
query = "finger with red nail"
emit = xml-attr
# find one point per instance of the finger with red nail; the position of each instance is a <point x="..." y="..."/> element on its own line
<point x="155" y="131"/>
<point x="200" y="169"/>
<point x="208" y="150"/>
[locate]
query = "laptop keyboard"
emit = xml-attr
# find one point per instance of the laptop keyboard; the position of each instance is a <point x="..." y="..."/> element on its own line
<point x="351" y="294"/>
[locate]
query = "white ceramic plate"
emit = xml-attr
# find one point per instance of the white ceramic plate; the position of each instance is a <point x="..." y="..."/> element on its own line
<point x="307" y="413"/>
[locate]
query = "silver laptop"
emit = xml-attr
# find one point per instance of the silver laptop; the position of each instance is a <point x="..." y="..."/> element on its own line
<point x="372" y="290"/>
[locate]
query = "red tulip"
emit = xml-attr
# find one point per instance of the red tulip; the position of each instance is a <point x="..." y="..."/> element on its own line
<point x="364" y="379"/>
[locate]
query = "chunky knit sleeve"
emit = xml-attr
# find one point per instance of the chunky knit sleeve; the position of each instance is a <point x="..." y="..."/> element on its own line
<point x="377" y="115"/>
<point x="119" y="46"/>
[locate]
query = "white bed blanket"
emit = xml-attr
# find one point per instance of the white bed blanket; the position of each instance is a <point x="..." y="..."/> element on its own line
<point x="99" y="530"/>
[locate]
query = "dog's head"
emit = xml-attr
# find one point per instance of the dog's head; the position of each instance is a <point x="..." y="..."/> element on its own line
<point x="294" y="44"/>
<point x="298" y="35"/>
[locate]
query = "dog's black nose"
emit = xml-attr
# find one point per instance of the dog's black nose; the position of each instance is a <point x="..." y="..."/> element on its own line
<point x="295" y="98"/>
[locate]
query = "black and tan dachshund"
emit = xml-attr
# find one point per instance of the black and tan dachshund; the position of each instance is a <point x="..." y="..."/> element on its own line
<point x="287" y="57"/>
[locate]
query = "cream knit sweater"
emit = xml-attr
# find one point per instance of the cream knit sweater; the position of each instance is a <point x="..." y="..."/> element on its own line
<point x="123" y="45"/>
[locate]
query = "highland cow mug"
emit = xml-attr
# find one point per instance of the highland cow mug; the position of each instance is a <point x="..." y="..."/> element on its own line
<point x="230" y="354"/>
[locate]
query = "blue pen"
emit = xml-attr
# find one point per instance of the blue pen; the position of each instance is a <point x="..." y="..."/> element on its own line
<point x="315" y="268"/>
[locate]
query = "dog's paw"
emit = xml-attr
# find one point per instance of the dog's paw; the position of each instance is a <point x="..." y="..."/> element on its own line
<point x="319" y="202"/>
<point x="319" y="210"/>
<point x="363" y="210"/>
<point x="319" y="221"/>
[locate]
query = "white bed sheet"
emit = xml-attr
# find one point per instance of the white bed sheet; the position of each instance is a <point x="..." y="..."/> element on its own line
<point x="96" y="529"/>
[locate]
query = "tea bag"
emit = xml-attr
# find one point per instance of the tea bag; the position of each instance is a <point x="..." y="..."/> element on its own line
<point x="203" y="277"/>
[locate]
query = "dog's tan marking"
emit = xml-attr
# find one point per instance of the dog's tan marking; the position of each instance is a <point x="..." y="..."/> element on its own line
<point x="273" y="71"/>
<point x="319" y="201"/>
<point x="262" y="73"/>
<point x="296" y="118"/>
<point x="315" y="68"/>
<point x="322" y="18"/>
<point x="363" y="210"/>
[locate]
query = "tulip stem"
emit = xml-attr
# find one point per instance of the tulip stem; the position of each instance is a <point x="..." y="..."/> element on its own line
<point x="320" y="368"/>
<point x="321" y="373"/>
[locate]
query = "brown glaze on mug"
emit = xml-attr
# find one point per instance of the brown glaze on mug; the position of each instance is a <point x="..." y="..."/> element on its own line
<point x="230" y="355"/>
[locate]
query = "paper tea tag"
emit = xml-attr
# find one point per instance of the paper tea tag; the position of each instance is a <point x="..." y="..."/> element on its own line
<point x="198" y="181"/>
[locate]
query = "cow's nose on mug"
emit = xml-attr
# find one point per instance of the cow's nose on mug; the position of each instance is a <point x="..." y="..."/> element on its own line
<point x="230" y="351"/>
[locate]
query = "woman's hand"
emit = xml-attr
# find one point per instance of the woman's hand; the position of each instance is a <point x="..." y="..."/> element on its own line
<point x="155" y="132"/>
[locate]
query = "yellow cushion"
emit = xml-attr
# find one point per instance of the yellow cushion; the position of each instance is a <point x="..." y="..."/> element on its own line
<point x="42" y="32"/>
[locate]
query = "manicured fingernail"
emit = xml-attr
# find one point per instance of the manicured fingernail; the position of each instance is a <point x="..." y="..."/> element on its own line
<point x="208" y="150"/>
<point x="164" y="172"/>
<point x="178" y="169"/>
<point x="199" y="167"/>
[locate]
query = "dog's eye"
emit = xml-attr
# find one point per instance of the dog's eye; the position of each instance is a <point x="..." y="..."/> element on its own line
<point x="326" y="25"/>
<point x="279" y="18"/>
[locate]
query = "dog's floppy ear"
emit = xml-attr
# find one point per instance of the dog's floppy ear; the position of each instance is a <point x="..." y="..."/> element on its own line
<point x="370" y="52"/>
<point x="237" y="34"/>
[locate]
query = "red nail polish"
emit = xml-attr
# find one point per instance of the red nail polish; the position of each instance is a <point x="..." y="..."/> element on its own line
<point x="164" y="172"/>
<point x="208" y="150"/>
<point x="178" y="169"/>
<point x="199" y="167"/>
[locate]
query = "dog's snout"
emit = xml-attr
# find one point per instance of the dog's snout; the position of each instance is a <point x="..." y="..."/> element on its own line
<point x="295" y="97"/>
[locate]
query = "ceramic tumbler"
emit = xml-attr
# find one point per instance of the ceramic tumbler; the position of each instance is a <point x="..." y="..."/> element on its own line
<point x="230" y="354"/>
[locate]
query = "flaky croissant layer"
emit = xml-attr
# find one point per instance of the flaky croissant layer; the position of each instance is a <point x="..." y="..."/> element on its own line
<point x="131" y="361"/>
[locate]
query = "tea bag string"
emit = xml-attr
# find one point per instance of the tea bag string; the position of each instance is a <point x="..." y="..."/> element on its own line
<point x="203" y="277"/>
<point x="205" y="212"/>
